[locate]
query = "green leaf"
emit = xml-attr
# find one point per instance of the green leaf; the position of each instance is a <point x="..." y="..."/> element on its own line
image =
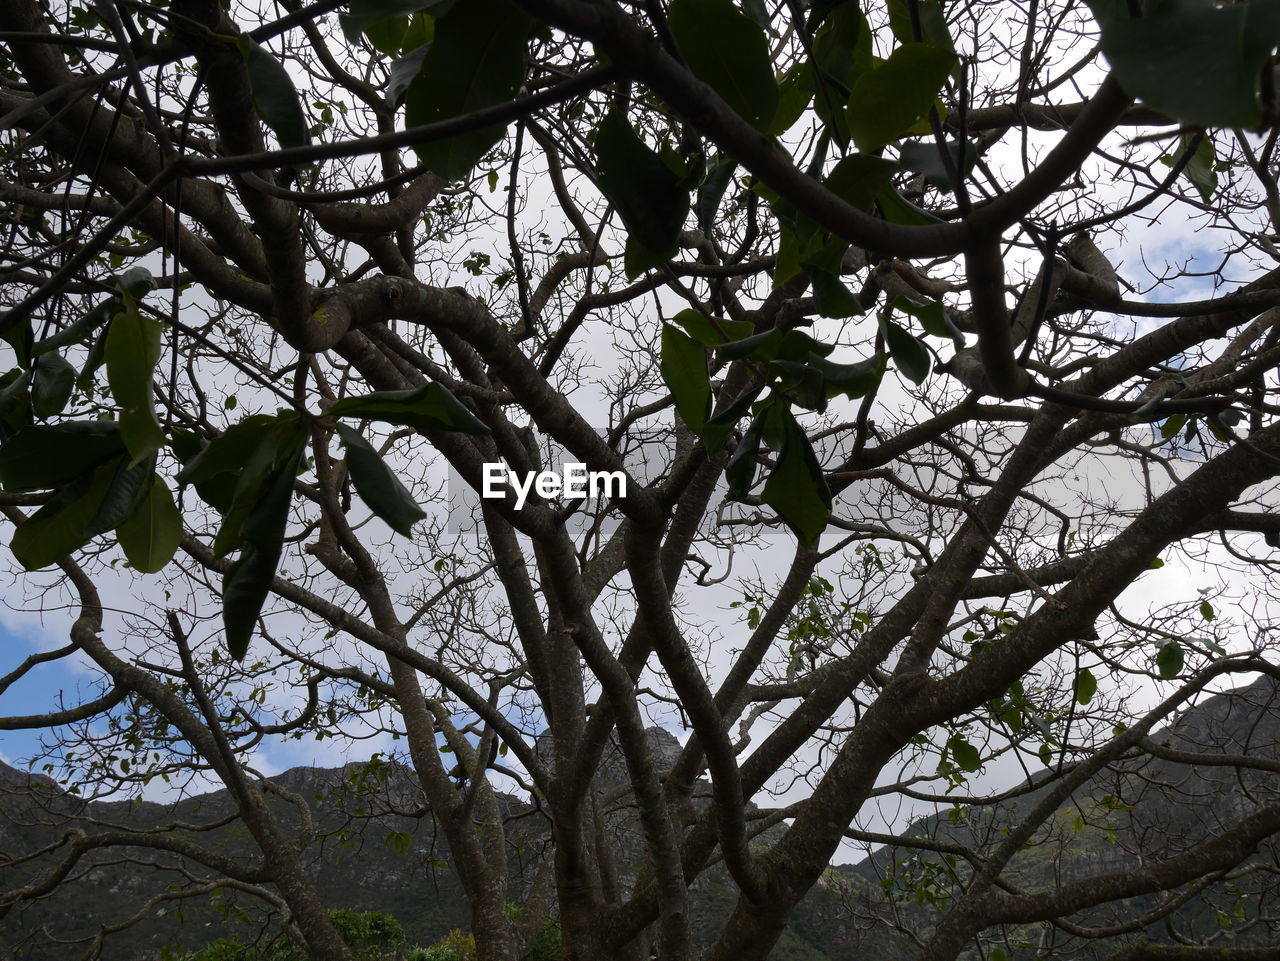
<point x="1206" y="610"/>
<point x="1086" y="685"/>
<point x="795" y="91"/>
<point x="909" y="355"/>
<point x="898" y="210"/>
<point x="933" y="318"/>
<point x="729" y="52"/>
<point x="274" y="95"/>
<point x="53" y="380"/>
<point x="964" y="753"/>
<point x="479" y="58"/>
<point x="136" y="280"/>
<point x="42" y="457"/>
<point x="244" y="590"/>
<point x="933" y="22"/>
<point x="150" y="536"/>
<point x="712" y="190"/>
<point x="1199" y="62"/>
<point x="796" y="487"/>
<point x="215" y="467"/>
<point x="1200" y="169"/>
<point x="430" y="407"/>
<point x="125" y="493"/>
<point x="264" y="488"/>
<point x="378" y="485"/>
<point x="1171" y="426"/>
<point x="802" y="383"/>
<point x="402" y="73"/>
<point x="842" y="52"/>
<point x="642" y="188"/>
<point x="859" y="178"/>
<point x="716" y="432"/>
<point x="248" y="581"/>
<point x="59" y="527"/>
<point x="15" y="401"/>
<point x="21" y="338"/>
<point x="1169" y="659"/>
<point x="925" y="157"/>
<point x="891" y="97"/>
<point x="711" y="333"/>
<point x="740" y="471"/>
<point x="133" y="347"/>
<point x="684" y="371"/>
<point x="363" y="13"/>
<point x="853" y="380"/>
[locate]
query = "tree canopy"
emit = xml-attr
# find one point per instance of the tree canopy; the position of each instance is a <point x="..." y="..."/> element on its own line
<point x="920" y="356"/>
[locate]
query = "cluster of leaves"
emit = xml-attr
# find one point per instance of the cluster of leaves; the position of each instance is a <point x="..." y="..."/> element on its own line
<point x="789" y="370"/>
<point x="102" y="471"/>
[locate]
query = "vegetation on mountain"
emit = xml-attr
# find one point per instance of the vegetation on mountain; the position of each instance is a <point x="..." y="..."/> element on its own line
<point x="919" y="355"/>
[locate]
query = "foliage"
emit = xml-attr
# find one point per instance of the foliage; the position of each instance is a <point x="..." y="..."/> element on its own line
<point x="880" y="324"/>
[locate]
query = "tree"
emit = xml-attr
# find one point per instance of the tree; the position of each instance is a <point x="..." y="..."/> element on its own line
<point x="268" y="268"/>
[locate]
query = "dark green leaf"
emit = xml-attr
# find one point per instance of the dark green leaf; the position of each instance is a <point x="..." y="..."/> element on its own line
<point x="21" y="339"/>
<point x="795" y="91"/>
<point x="431" y="407"/>
<point x="150" y="536"/>
<point x="852" y="380"/>
<point x="133" y="347"/>
<point x="730" y="53"/>
<point x="711" y="333"/>
<point x="53" y="380"/>
<point x="137" y="280"/>
<point x="933" y="318"/>
<point x="831" y="296"/>
<point x="925" y="157"/>
<point x="43" y="457"/>
<point x="15" y="401"/>
<point x="264" y="489"/>
<point x="859" y="178"/>
<point x="248" y="581"/>
<point x="891" y="97"/>
<point x="643" y="189"/>
<point x="740" y="471"/>
<point x="841" y="54"/>
<point x="59" y="527"/>
<point x="909" y="355"/>
<point x="712" y="190"/>
<point x="1200" y="169"/>
<point x="796" y="487"/>
<point x="797" y="345"/>
<point x="362" y="12"/>
<point x="1206" y="610"/>
<point x="378" y="485"/>
<point x="125" y="493"/>
<point x="802" y="383"/>
<point x="1169" y="659"/>
<point x="274" y="95"/>
<point x="684" y="371"/>
<point x="479" y="58"/>
<point x="718" y="427"/>
<point x="402" y="73"/>
<point x="933" y="22"/>
<point x="1199" y="62"/>
<point x="898" y="210"/>
<point x="964" y="753"/>
<point x="762" y="346"/>
<point x="1086" y="686"/>
<point x="244" y="590"/>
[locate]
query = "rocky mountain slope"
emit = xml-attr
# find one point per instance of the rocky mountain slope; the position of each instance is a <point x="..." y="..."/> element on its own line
<point x="375" y="848"/>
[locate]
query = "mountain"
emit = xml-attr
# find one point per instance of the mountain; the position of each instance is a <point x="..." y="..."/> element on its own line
<point x="375" y="847"/>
